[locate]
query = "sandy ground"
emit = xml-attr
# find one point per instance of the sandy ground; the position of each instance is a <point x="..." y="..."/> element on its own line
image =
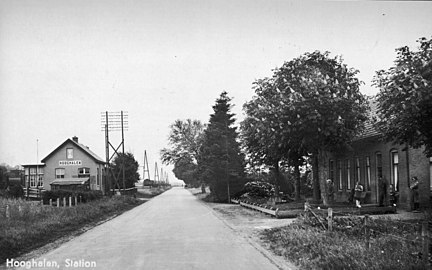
<point x="249" y="223"/>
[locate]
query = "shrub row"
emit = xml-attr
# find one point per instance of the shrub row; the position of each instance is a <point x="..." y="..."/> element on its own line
<point x="85" y="196"/>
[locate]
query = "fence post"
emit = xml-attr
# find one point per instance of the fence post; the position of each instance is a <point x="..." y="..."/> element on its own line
<point x="70" y="201"/>
<point x="330" y="219"/>
<point x="64" y="201"/>
<point x="58" y="202"/>
<point x="7" y="211"/>
<point x="367" y="231"/>
<point x="50" y="202"/>
<point x="425" y="242"/>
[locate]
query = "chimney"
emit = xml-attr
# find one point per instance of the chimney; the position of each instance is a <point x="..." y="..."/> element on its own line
<point x="75" y="139"/>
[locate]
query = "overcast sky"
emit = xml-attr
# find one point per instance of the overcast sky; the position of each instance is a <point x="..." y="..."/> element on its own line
<point x="62" y="63"/>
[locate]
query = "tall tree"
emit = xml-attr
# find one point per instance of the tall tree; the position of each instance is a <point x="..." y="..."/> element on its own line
<point x="265" y="133"/>
<point x="185" y="169"/>
<point x="220" y="162"/>
<point x="405" y="97"/>
<point x="130" y="168"/>
<point x="323" y="95"/>
<point x="184" y="139"/>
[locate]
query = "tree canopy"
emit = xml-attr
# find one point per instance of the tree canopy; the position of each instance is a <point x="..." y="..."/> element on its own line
<point x="184" y="139"/>
<point x="130" y="168"/>
<point x="405" y="97"/>
<point x="311" y="104"/>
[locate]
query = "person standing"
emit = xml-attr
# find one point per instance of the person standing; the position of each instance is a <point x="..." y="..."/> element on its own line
<point x="382" y="191"/>
<point x="358" y="190"/>
<point x="330" y="191"/>
<point x="415" y="200"/>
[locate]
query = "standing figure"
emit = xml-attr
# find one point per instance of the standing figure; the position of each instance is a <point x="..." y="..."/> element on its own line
<point x="415" y="200"/>
<point x="330" y="191"/>
<point x="393" y="195"/>
<point x="358" y="190"/>
<point x="382" y="191"/>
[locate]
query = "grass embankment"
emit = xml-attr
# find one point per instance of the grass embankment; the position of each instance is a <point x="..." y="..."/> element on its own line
<point x="31" y="225"/>
<point x="393" y="244"/>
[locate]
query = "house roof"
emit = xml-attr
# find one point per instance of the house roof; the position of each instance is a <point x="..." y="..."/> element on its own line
<point x="84" y="148"/>
<point x="369" y="130"/>
<point x="70" y="181"/>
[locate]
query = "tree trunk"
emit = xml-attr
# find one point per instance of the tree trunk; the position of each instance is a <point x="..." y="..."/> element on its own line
<point x="316" y="183"/>
<point x="277" y="178"/>
<point x="297" y="182"/>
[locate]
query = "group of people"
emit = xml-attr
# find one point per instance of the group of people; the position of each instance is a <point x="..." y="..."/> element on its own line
<point x="387" y="193"/>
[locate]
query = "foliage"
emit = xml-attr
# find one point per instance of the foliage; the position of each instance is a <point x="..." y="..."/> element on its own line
<point x="312" y="103"/>
<point x="185" y="139"/>
<point x="220" y="162"/>
<point x="185" y="169"/>
<point x="259" y="189"/>
<point x="310" y="247"/>
<point x="15" y="191"/>
<point x="405" y="97"/>
<point x="31" y="225"/>
<point x="4" y="178"/>
<point x="130" y="169"/>
<point x="85" y="196"/>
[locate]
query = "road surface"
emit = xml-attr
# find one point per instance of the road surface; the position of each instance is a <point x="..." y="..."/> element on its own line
<point x="172" y="231"/>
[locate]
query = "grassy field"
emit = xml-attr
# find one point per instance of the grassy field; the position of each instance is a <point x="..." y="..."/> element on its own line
<point x="392" y="244"/>
<point x="31" y="225"/>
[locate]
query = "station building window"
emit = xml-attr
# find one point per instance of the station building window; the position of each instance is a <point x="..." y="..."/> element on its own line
<point x="59" y="173"/>
<point x="395" y="169"/>
<point x="368" y="173"/>
<point x="83" y="172"/>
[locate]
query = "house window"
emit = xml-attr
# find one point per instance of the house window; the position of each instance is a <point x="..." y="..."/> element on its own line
<point x="348" y="174"/>
<point x="40" y="177"/>
<point x="59" y="173"/>
<point x="33" y="177"/>
<point x="395" y="169"/>
<point x="357" y="169"/>
<point x="368" y="173"/>
<point x="379" y="165"/>
<point x="69" y="153"/>
<point x="430" y="172"/>
<point x="331" y="170"/>
<point x="83" y="172"/>
<point x="98" y="177"/>
<point x="339" y="173"/>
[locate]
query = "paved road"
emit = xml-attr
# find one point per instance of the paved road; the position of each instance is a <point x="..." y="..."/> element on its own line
<point x="171" y="231"/>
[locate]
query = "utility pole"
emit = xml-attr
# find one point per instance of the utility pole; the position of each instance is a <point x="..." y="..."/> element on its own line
<point x="114" y="121"/>
<point x="156" y="174"/>
<point x="146" y="167"/>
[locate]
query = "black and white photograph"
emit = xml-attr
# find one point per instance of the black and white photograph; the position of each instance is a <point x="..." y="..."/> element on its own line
<point x="215" y="134"/>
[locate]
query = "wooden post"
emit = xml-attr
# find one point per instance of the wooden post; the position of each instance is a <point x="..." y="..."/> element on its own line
<point x="7" y="211"/>
<point x="50" y="202"/>
<point x="58" y="202"/>
<point x="70" y="201"/>
<point x="76" y="200"/>
<point x="367" y="231"/>
<point x="330" y="219"/>
<point x="425" y="242"/>
<point x="64" y="201"/>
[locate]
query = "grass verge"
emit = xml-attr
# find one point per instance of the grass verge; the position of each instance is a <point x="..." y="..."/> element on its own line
<point x="393" y="244"/>
<point x="31" y="225"/>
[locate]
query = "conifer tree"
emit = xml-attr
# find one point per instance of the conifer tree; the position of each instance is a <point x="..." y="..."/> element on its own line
<point x="220" y="162"/>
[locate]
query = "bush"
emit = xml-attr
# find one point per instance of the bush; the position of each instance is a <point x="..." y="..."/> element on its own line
<point x="85" y="196"/>
<point x="15" y="191"/>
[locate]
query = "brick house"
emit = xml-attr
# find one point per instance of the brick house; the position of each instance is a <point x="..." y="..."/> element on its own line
<point x="369" y="158"/>
<point x="73" y="165"/>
